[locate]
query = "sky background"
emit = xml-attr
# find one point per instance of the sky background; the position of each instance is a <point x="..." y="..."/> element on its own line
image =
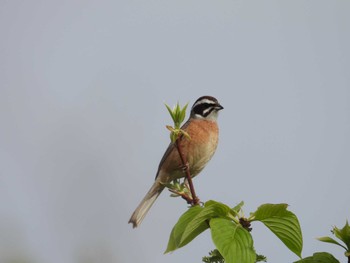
<point x="82" y="121"/>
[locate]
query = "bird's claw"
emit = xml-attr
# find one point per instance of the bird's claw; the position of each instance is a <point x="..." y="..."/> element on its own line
<point x="185" y="167"/>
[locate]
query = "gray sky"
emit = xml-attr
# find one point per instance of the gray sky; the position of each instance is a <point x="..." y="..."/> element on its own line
<point x="82" y="121"/>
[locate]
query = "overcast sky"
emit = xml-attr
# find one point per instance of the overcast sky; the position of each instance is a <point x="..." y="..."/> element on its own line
<point x="82" y="121"/>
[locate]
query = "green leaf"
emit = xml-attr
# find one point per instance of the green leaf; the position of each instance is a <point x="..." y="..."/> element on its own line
<point x="330" y="240"/>
<point x="237" y="209"/>
<point x="260" y="258"/>
<point x="343" y="234"/>
<point x="214" y="257"/>
<point x="220" y="206"/>
<point x="211" y="209"/>
<point x="177" y="114"/>
<point x="233" y="242"/>
<point x="180" y="227"/>
<point x="283" y="223"/>
<point x="183" y="113"/>
<point x="319" y="257"/>
<point x="177" y="108"/>
<point x="170" y="112"/>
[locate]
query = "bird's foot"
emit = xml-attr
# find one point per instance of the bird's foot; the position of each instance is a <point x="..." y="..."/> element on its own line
<point x="185" y="167"/>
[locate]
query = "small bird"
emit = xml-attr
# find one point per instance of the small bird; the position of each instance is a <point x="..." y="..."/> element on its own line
<point x="204" y="134"/>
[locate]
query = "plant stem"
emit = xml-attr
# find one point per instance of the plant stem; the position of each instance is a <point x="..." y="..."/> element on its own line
<point x="195" y="200"/>
<point x="184" y="196"/>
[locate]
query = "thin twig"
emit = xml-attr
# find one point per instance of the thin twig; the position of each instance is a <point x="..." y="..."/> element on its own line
<point x="183" y="196"/>
<point x="195" y="200"/>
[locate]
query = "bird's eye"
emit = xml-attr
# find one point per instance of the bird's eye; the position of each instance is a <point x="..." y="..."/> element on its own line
<point x="204" y="109"/>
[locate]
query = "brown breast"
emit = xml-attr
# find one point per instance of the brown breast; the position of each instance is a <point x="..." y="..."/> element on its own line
<point x="198" y="150"/>
<point x="202" y="145"/>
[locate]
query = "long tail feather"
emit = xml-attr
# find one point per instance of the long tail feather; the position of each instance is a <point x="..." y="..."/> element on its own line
<point x="146" y="203"/>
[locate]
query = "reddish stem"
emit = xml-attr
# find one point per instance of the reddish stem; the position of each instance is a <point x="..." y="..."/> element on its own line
<point x="183" y="195"/>
<point x="195" y="200"/>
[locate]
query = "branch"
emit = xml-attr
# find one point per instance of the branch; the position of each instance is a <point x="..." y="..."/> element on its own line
<point x="195" y="199"/>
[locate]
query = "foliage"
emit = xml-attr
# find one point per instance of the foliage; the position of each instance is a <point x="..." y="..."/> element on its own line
<point x="230" y="235"/>
<point x="342" y="234"/>
<point x="320" y="257"/>
<point x="178" y="115"/>
<point x="214" y="257"/>
<point x="283" y="223"/>
<point x="230" y="230"/>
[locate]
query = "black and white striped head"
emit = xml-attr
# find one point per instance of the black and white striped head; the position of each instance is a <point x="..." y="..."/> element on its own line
<point x="206" y="107"/>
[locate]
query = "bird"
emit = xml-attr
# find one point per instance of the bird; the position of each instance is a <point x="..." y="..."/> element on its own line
<point x="203" y="131"/>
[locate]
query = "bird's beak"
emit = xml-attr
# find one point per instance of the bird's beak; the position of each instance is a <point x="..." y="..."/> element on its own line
<point x="219" y="107"/>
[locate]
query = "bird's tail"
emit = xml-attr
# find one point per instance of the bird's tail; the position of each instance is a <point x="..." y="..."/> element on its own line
<point x="146" y="203"/>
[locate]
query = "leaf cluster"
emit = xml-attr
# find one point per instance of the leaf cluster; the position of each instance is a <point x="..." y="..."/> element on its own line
<point x="178" y="115"/>
<point x="232" y="239"/>
<point x="214" y="257"/>
<point x="230" y="230"/>
<point x="343" y="234"/>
